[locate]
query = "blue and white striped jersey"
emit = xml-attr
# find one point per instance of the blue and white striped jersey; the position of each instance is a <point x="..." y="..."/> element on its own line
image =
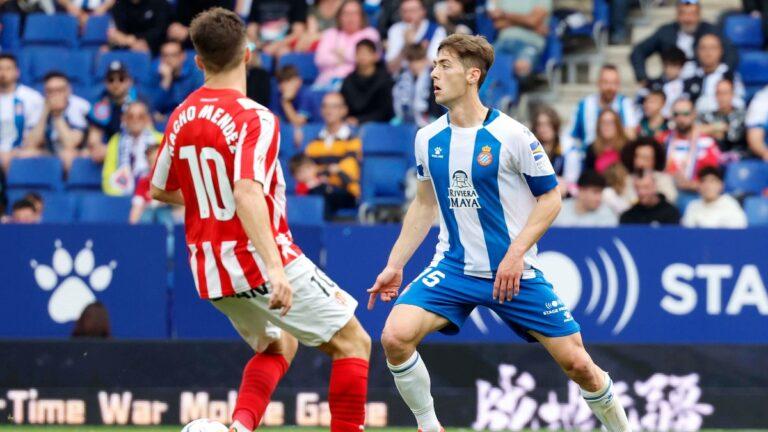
<point x="486" y="180"/>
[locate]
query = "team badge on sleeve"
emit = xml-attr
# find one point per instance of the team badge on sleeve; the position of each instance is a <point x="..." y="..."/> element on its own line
<point x="537" y="150"/>
<point x="485" y="157"/>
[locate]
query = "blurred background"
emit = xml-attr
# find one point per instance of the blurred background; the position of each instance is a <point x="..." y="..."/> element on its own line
<point x="653" y="114"/>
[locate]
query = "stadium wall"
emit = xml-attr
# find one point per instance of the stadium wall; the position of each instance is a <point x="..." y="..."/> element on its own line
<point x="484" y="386"/>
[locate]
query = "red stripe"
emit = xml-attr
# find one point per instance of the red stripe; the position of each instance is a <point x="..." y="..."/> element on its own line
<point x="224" y="277"/>
<point x="249" y="148"/>
<point x="248" y="263"/>
<point x="271" y="157"/>
<point x="202" y="283"/>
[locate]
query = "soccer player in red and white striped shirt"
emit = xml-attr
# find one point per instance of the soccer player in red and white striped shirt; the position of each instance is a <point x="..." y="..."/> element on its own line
<point x="219" y="159"/>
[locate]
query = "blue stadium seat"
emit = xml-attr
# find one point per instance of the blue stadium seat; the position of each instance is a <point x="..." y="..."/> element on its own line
<point x="36" y="62"/>
<point x="97" y="207"/>
<point x="311" y="132"/>
<point x="381" y="139"/>
<point x="685" y="198"/>
<point x="500" y="87"/>
<point x="50" y="30"/>
<point x="744" y="31"/>
<point x="84" y="175"/>
<point x="756" y="209"/>
<point x="753" y="67"/>
<point x="136" y="62"/>
<point x="58" y="208"/>
<point x="10" y="37"/>
<point x="267" y="62"/>
<point x="287" y="149"/>
<point x="304" y="62"/>
<point x="305" y="210"/>
<point x="382" y="181"/>
<point x="552" y="57"/>
<point x="40" y="173"/>
<point x="746" y="177"/>
<point x="485" y="25"/>
<point x="95" y="31"/>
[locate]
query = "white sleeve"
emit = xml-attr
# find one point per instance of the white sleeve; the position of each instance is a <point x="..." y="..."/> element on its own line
<point x="33" y="110"/>
<point x="422" y="162"/>
<point x="757" y="114"/>
<point x="532" y="162"/>
<point x="395" y="41"/>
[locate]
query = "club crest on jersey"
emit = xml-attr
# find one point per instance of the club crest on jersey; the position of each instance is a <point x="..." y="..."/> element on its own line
<point x="437" y="153"/>
<point x="485" y="157"/>
<point x="462" y="194"/>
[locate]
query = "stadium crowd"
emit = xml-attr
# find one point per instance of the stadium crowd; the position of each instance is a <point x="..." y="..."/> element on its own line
<point x="349" y="78"/>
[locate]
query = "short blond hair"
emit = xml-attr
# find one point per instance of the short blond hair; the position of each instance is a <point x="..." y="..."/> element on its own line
<point x="472" y="51"/>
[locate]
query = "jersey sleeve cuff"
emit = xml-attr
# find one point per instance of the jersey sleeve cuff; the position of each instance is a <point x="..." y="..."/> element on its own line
<point x="541" y="184"/>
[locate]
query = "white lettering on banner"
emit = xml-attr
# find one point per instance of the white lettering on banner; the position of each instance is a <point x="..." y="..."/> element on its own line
<point x="669" y="403"/>
<point x="682" y="298"/>
<point x="27" y="408"/>
<point x="122" y="409"/>
<point x="313" y="412"/>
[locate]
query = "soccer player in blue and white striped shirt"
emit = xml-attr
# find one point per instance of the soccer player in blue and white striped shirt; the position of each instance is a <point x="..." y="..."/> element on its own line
<point x="491" y="183"/>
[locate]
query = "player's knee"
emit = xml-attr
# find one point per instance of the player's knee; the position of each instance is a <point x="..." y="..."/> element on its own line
<point x="351" y="341"/>
<point x="577" y="366"/>
<point x="396" y="344"/>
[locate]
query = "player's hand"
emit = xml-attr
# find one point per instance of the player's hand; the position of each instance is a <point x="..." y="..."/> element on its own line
<point x="386" y="286"/>
<point x="507" y="283"/>
<point x="282" y="293"/>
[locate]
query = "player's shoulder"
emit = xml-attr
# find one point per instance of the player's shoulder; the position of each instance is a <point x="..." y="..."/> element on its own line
<point x="24" y="92"/>
<point x="425" y="133"/>
<point x="508" y="131"/>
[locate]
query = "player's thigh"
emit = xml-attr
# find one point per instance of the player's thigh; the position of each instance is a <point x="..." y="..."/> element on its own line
<point x="537" y="308"/>
<point x="250" y="321"/>
<point x="350" y="341"/>
<point x="408" y="325"/>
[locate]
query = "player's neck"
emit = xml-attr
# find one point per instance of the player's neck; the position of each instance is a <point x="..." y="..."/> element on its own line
<point x="232" y="80"/>
<point x="468" y="112"/>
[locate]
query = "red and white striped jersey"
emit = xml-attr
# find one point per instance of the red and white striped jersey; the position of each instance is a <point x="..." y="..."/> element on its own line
<point x="213" y="139"/>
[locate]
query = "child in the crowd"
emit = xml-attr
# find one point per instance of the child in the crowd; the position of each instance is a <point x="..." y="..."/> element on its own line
<point x="412" y="95"/>
<point x="296" y="104"/>
<point x="310" y="180"/>
<point x="143" y="207"/>
<point x="671" y="80"/>
<point x="654" y="124"/>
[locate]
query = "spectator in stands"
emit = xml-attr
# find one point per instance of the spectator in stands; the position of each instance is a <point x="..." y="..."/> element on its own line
<point x="368" y="90"/>
<point x="143" y="208"/>
<point x="726" y="124"/>
<point x="106" y="112"/>
<point x="619" y="194"/>
<point x="258" y="79"/>
<point x="322" y="16"/>
<point x="414" y="28"/>
<point x="757" y="122"/>
<point x="335" y="155"/>
<point x="37" y="200"/>
<point x="139" y="25"/>
<point x="670" y="82"/>
<point x="23" y="212"/>
<point x="584" y="121"/>
<point x="546" y="128"/>
<point x="587" y="208"/>
<point x="277" y="26"/>
<point x="523" y="27"/>
<point x="700" y="87"/>
<point x="296" y="101"/>
<point x="714" y="209"/>
<point x="647" y="155"/>
<point x="20" y="109"/>
<point x="62" y="124"/>
<point x="688" y="150"/>
<point x="684" y="33"/>
<point x="456" y="16"/>
<point x="757" y="8"/>
<point x="335" y="57"/>
<point x="654" y="124"/>
<point x="610" y="140"/>
<point x="652" y="207"/>
<point x="413" y="97"/>
<point x="175" y="78"/>
<point x="185" y="10"/>
<point x="93" y="322"/>
<point x="126" y="158"/>
<point x="84" y="9"/>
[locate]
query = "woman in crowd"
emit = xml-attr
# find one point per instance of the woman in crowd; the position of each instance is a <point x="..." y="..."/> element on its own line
<point x="610" y="140"/>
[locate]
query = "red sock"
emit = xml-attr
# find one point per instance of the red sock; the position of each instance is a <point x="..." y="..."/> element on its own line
<point x="260" y="378"/>
<point x="347" y="394"/>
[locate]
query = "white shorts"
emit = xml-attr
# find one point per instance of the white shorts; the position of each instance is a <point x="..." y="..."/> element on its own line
<point x="320" y="308"/>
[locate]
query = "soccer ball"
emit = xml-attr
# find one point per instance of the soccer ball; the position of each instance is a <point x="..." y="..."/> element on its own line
<point x="204" y="425"/>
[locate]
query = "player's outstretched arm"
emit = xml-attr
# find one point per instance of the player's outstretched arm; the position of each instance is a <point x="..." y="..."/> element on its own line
<point x="510" y="270"/>
<point x="169" y="197"/>
<point x="251" y="208"/>
<point x="418" y="220"/>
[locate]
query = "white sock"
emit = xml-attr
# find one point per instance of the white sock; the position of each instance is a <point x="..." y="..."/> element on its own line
<point x="412" y="381"/>
<point x="238" y="427"/>
<point x="607" y="408"/>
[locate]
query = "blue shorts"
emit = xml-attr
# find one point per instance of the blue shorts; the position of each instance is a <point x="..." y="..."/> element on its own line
<point x="450" y="293"/>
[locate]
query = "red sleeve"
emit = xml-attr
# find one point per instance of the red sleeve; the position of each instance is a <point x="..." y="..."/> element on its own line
<point x="257" y="146"/>
<point x="163" y="175"/>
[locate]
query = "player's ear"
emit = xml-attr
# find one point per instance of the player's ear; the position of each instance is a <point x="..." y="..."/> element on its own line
<point x="473" y="75"/>
<point x="199" y="63"/>
<point x="247" y="56"/>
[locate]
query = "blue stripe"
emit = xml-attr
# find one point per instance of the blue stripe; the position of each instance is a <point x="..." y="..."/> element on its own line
<point x="439" y="170"/>
<point x="601" y="395"/>
<point x="578" y="131"/>
<point x="541" y="184"/>
<point x="491" y="213"/>
<point x="407" y="367"/>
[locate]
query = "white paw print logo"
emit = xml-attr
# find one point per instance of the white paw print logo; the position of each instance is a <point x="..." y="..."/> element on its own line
<point x="73" y="294"/>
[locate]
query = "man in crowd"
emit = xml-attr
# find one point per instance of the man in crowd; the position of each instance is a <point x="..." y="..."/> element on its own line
<point x="20" y="109"/>
<point x="368" y="90"/>
<point x="62" y="124"/>
<point x="700" y="87"/>
<point x="684" y="33"/>
<point x="688" y="150"/>
<point x="756" y="123"/>
<point x="413" y="28"/>
<point x="175" y="79"/>
<point x="726" y="124"/>
<point x="652" y="208"/>
<point x="714" y="209"/>
<point x="139" y="25"/>
<point x="587" y="208"/>
<point x="523" y="27"/>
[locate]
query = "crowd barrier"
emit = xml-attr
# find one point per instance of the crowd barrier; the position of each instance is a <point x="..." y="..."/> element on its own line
<point x="624" y="285"/>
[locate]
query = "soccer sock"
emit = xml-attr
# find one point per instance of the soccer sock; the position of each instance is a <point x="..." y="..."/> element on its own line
<point x="412" y="381"/>
<point x="260" y="378"/>
<point x="347" y="394"/>
<point x="607" y="408"/>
